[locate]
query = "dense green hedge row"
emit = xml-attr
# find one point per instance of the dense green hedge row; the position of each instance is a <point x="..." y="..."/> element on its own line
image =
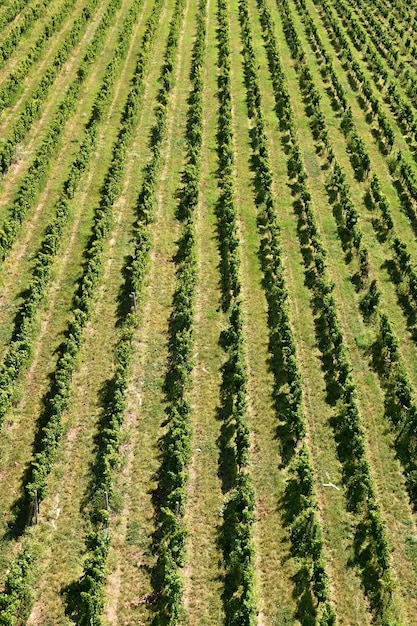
<point x="175" y="443"/>
<point x="19" y="348"/>
<point x="239" y="598"/>
<point x="13" y="83"/>
<point x="360" y="492"/>
<point x="304" y="525"/>
<point x="34" y="105"/>
<point x="27" y="20"/>
<point x="107" y="456"/>
<point x="16" y="599"/>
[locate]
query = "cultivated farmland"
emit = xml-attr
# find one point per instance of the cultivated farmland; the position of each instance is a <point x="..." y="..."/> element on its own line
<point x="208" y="312"/>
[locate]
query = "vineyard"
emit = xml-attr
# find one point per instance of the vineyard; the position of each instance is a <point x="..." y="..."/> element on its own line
<point x="208" y="312"/>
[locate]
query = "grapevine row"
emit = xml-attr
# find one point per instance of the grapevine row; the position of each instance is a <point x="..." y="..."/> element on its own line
<point x="398" y="165"/>
<point x="16" y="600"/>
<point x="400" y="107"/>
<point x="337" y="187"/>
<point x="385" y="46"/>
<point x="369" y="306"/>
<point x="400" y="404"/>
<point x="58" y="396"/>
<point x="28" y="20"/>
<point x="175" y="444"/>
<point x="392" y="45"/>
<point x="9" y="12"/>
<point x="386" y="133"/>
<point x="239" y="599"/>
<point x="400" y="20"/>
<point x="57" y="399"/>
<point x="13" y="83"/>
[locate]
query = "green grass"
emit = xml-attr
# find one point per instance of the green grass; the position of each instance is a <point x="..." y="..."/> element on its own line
<point x="69" y="481"/>
<point x="64" y="520"/>
<point x="133" y="561"/>
<point x="386" y="470"/>
<point x="53" y="319"/>
<point x="336" y="523"/>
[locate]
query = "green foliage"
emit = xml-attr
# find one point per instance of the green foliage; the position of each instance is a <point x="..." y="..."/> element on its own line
<point x="175" y="444"/>
<point x="107" y="455"/>
<point x="302" y="498"/>
<point x="16" y="600"/>
<point x="29" y="188"/>
<point x="348" y="429"/>
<point x="92" y="581"/>
<point x="33" y="106"/>
<point x="13" y="82"/>
<point x="29" y="17"/>
<point x="369" y="302"/>
<point x="58" y="396"/>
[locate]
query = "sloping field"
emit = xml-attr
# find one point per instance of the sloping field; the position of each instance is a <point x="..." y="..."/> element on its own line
<point x="208" y="312"/>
